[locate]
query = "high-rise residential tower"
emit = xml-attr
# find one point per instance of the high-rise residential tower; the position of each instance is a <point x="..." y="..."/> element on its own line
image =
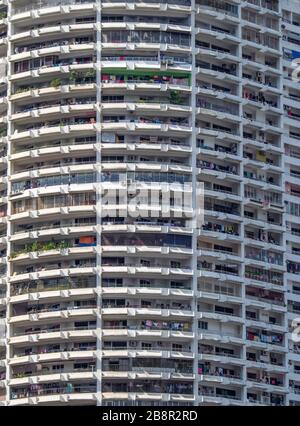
<point x="291" y="108"/>
<point x="103" y="101"/>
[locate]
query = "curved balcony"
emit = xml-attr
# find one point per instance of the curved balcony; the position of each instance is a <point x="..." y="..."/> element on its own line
<point x="84" y="83"/>
<point x="220" y="358"/>
<point x="43" y="394"/>
<point x="82" y="164"/>
<point x="171" y="127"/>
<point x="30" y="374"/>
<point x="28" y="231"/>
<point x="52" y="48"/>
<point x="176" y="4"/>
<point x="76" y="7"/>
<point x="144" y="332"/>
<point x="215" y="378"/>
<point x="54" y="333"/>
<point x="224" y="271"/>
<point x="47" y="353"/>
<point x="35" y="291"/>
<point x="151" y="395"/>
<point x="53" y="70"/>
<point x="54" y="313"/>
<point x="267" y="384"/>
<point x="218" y="11"/>
<point x="220" y="337"/>
<point x="136" y="311"/>
<point x="210" y="397"/>
<point x="83" y="268"/>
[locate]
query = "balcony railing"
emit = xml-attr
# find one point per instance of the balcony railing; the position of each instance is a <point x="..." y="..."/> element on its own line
<point x="53" y="329"/>
<point x="49" y="350"/>
<point x="47" y="371"/>
<point x="40" y="390"/>
<point x="57" y="308"/>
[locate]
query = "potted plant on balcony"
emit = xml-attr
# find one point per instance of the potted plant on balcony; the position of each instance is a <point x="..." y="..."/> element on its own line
<point x="175" y="97"/>
<point x="73" y="77"/>
<point x="63" y="245"/>
<point x="56" y="83"/>
<point x="90" y="76"/>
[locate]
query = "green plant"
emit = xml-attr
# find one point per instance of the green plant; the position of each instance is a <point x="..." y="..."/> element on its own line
<point x="41" y="246"/>
<point x="30" y="247"/>
<point x="175" y="97"/>
<point x="22" y="89"/>
<point x="90" y="74"/>
<point x="73" y="76"/>
<point x="63" y="245"/>
<point x="56" y="82"/>
<point x="50" y="245"/>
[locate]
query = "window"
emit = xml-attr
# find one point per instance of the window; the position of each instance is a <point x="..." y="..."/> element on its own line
<point x="58" y="367"/>
<point x="203" y="325"/>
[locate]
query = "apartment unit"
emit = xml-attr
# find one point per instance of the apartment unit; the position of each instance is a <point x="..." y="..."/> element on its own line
<point x="102" y="308"/>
